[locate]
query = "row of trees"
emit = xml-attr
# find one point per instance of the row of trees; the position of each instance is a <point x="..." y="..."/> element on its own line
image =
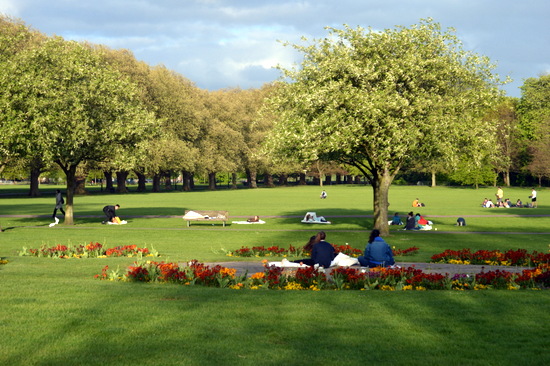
<point x="370" y="103"/>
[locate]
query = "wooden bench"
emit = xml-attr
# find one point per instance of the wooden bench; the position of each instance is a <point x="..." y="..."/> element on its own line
<point x="208" y="216"/>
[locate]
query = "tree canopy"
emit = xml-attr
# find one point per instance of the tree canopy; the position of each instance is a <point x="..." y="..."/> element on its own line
<point x="71" y="106"/>
<point x="373" y="100"/>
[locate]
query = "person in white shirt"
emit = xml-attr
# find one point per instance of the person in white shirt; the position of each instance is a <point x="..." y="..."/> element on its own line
<point x="533" y="197"/>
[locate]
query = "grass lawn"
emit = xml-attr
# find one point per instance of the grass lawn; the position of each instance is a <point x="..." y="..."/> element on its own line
<point x="55" y="313"/>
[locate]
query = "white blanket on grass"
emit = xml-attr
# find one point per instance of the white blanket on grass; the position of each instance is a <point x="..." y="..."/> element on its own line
<point x="341" y="260"/>
<point x="246" y="222"/>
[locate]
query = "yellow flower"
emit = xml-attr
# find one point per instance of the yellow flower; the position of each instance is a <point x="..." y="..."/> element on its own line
<point x="293" y="286"/>
<point x="387" y="288"/>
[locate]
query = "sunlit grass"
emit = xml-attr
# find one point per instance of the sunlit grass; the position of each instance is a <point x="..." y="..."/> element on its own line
<point x="54" y="312"/>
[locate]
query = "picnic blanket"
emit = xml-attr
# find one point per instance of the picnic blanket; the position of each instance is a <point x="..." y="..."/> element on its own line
<point x="341" y="260"/>
<point x="248" y="222"/>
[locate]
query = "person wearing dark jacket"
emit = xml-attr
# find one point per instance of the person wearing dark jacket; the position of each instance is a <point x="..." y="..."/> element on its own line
<point x="377" y="252"/>
<point x="323" y="252"/>
<point x="110" y="213"/>
<point x="58" y="205"/>
<point x="411" y="222"/>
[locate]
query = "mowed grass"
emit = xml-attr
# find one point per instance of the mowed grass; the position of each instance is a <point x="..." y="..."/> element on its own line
<point x="55" y="313"/>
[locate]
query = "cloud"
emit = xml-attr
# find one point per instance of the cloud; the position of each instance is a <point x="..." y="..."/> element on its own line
<point x="9" y="7"/>
<point x="219" y="43"/>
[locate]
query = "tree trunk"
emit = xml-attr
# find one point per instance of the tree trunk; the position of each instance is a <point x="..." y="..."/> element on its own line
<point x="251" y="178"/>
<point x="233" y="180"/>
<point x="212" y="181"/>
<point x="349" y="179"/>
<point x="302" y="179"/>
<point x="433" y="179"/>
<point x="507" y="178"/>
<point x="121" y="182"/>
<point x="70" y="174"/>
<point x="186" y="180"/>
<point x="168" y="181"/>
<point x="357" y="179"/>
<point x="268" y="180"/>
<point x="156" y="182"/>
<point x="80" y="182"/>
<point x="283" y="179"/>
<point x="328" y="179"/>
<point x="338" y="178"/>
<point x="108" y="181"/>
<point x="36" y="169"/>
<point x="381" y="187"/>
<point x="142" y="183"/>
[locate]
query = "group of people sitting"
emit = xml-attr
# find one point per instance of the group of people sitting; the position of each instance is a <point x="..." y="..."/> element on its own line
<point x="377" y="252"/>
<point x="488" y="203"/>
<point x="413" y="222"/>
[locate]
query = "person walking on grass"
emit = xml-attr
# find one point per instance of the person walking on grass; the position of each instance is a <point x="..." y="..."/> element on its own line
<point x="499" y="195"/>
<point x="59" y="201"/>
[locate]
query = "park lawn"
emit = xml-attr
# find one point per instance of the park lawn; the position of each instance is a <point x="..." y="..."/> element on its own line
<point x="55" y="312"/>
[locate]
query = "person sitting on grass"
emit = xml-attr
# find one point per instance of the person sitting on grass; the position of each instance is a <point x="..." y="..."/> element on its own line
<point x="377" y="252"/>
<point x="411" y="223"/>
<point x="308" y="248"/>
<point x="396" y="220"/>
<point x="323" y="252"/>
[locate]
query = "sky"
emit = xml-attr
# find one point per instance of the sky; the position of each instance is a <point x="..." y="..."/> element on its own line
<point x="236" y="44"/>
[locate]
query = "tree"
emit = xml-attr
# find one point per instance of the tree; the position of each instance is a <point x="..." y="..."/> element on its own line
<point x="72" y="106"/>
<point x="506" y="138"/>
<point x="534" y="115"/>
<point x="15" y="37"/>
<point x="534" y="105"/>
<point x="375" y="99"/>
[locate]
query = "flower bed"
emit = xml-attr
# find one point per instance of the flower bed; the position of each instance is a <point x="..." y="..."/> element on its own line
<point x="92" y="250"/>
<point x="261" y="251"/>
<point x="404" y="252"/>
<point x="518" y="257"/>
<point x="310" y="278"/>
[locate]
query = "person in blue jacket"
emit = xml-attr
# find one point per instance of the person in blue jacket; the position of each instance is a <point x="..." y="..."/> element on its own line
<point x="377" y="252"/>
<point x="323" y="252"/>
